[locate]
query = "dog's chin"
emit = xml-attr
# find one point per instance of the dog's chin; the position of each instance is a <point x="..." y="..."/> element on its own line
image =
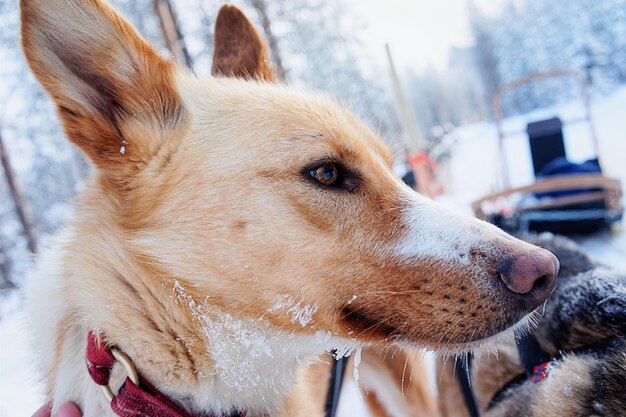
<point x="377" y="330"/>
<point x="488" y="343"/>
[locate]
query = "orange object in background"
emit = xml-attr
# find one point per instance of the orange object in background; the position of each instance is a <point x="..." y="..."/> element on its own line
<point x="425" y="170"/>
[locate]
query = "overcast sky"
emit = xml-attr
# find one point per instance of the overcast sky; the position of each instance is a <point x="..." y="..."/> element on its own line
<point x="418" y="31"/>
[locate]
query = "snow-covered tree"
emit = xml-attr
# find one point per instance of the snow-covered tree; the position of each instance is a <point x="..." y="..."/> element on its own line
<point x="540" y="35"/>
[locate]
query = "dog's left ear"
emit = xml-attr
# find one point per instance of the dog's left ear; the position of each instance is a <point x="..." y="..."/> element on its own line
<point x="240" y="51"/>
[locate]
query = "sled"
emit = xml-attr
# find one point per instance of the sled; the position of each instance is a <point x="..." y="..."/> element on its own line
<point x="566" y="197"/>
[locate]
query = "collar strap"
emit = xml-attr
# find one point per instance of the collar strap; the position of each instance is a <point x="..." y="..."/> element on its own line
<point x="136" y="396"/>
<point x="536" y="362"/>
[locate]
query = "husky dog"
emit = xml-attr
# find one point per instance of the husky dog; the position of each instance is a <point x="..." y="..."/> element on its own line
<point x="235" y="229"/>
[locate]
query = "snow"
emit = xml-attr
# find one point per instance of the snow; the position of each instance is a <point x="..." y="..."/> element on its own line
<point x="20" y="391"/>
<point x="252" y="359"/>
<point x="300" y="312"/>
<point x="471" y="173"/>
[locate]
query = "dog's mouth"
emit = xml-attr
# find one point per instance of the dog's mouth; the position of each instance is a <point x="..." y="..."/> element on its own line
<point x="363" y="324"/>
<point x="430" y="332"/>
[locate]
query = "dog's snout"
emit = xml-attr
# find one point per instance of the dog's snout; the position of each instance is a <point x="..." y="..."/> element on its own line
<point x="532" y="272"/>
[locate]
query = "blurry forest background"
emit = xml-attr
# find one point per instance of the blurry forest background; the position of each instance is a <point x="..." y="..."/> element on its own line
<point x="320" y="47"/>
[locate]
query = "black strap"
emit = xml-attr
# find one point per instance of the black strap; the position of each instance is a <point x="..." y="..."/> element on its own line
<point x="464" y="376"/>
<point x="530" y="353"/>
<point x="334" y="389"/>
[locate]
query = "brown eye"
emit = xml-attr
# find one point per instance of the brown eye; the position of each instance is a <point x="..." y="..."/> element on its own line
<point x="327" y="174"/>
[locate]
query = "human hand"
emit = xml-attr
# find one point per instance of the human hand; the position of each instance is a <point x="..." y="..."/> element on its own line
<point x="66" y="410"/>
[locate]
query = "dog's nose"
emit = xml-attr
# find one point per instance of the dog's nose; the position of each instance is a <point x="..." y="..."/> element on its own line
<point x="532" y="272"/>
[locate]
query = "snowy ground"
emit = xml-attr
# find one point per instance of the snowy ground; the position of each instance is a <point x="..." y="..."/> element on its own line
<point x="471" y="174"/>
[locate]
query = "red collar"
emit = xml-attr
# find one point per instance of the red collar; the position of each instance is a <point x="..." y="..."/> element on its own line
<point x="136" y="397"/>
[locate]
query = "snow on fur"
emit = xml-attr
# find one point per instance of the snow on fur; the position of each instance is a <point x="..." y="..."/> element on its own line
<point x="254" y="360"/>
<point x="300" y="312"/>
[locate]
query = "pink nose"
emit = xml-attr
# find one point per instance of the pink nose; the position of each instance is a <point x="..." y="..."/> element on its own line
<point x="531" y="272"/>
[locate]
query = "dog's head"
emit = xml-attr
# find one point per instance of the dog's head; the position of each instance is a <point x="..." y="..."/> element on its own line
<point x="269" y="201"/>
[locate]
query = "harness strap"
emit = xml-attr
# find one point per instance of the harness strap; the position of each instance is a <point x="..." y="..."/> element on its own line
<point x="336" y="381"/>
<point x="464" y="376"/>
<point x="132" y="400"/>
<point x="531" y="354"/>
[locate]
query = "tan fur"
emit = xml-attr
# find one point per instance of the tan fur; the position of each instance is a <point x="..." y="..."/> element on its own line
<point x="558" y="386"/>
<point x="396" y="383"/>
<point x="308" y="396"/>
<point x="203" y="249"/>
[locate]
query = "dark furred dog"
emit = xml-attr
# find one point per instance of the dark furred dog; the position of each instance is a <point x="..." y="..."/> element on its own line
<point x="583" y="336"/>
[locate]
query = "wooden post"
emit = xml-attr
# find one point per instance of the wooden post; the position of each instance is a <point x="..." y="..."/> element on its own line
<point x="261" y="8"/>
<point x="21" y="206"/>
<point x="404" y="109"/>
<point x="174" y="40"/>
<point x="424" y="174"/>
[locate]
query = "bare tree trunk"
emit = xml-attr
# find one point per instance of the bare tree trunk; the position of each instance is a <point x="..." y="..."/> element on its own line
<point x="21" y="206"/>
<point x="5" y="268"/>
<point x="261" y="8"/>
<point x="174" y="39"/>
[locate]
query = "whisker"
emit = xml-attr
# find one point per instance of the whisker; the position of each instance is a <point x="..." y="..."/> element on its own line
<point x="417" y="353"/>
<point x="406" y="361"/>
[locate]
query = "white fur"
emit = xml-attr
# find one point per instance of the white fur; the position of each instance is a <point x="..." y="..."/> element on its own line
<point x="46" y="305"/>
<point x="386" y="389"/>
<point x="437" y="232"/>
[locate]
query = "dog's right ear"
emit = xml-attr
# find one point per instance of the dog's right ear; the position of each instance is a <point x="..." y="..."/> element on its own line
<point x="115" y="95"/>
<point x="240" y="50"/>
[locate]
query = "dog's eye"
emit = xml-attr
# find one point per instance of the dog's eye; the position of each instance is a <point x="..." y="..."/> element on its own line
<point x="326" y="174"/>
<point x="333" y="175"/>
